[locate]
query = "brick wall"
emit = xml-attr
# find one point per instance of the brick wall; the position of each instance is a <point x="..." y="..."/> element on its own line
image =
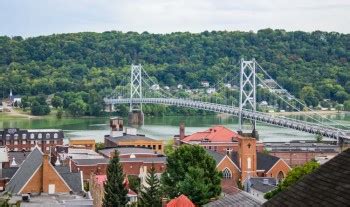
<point x="299" y="158"/>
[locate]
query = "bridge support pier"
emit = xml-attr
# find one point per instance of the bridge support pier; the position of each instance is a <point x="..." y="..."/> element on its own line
<point x="135" y="117"/>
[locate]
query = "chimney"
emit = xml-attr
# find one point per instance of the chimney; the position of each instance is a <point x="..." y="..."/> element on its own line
<point x="46" y="167"/>
<point x="116" y="124"/>
<point x="182" y="131"/>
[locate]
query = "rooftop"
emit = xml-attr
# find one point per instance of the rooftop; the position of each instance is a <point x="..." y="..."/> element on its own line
<point x="239" y="199"/>
<point x="213" y="134"/>
<point x="263" y="184"/>
<point x="129" y="137"/>
<point x="127" y="151"/>
<point x="264" y="161"/>
<point x="329" y="185"/>
<point x="145" y="159"/>
<point x="182" y="200"/>
<point x="55" y="201"/>
<point x="91" y="161"/>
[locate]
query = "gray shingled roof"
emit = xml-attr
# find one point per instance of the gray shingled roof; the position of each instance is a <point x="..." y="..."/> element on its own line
<point x="217" y="156"/>
<point x="72" y="179"/>
<point x="329" y="185"/>
<point x="24" y="173"/>
<point x="258" y="184"/>
<point x="237" y="200"/>
<point x="19" y="156"/>
<point x="264" y="161"/>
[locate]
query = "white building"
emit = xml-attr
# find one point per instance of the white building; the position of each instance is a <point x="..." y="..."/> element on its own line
<point x="180" y="86"/>
<point x="205" y="84"/>
<point x="155" y="87"/>
<point x="211" y="90"/>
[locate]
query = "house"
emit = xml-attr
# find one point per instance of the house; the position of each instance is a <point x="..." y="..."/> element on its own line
<point x="181" y="201"/>
<point x="120" y="136"/>
<point x="37" y="175"/>
<point x="205" y="84"/>
<point x="180" y="86"/>
<point x="211" y="90"/>
<point x="329" y="185"/>
<point x="217" y="138"/>
<point x="259" y="186"/>
<point x="26" y="139"/>
<point x="155" y="87"/>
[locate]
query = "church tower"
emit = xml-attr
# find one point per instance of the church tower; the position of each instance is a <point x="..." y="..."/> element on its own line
<point x="247" y="156"/>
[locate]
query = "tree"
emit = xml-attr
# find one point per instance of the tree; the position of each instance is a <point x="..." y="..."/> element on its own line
<point x="347" y="105"/>
<point x="293" y="176"/>
<point x="115" y="191"/>
<point x="57" y="102"/>
<point x="59" y="113"/>
<point x="189" y="166"/>
<point x="77" y="108"/>
<point x="169" y="147"/>
<point x="25" y="103"/>
<point x="309" y="95"/>
<point x="151" y="196"/>
<point x="319" y="137"/>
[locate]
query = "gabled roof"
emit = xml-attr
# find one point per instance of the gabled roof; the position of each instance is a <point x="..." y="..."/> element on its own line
<point x="181" y="201"/>
<point x="264" y="161"/>
<point x="214" y="134"/>
<point x="72" y="179"/>
<point x="217" y="156"/>
<point x="25" y="172"/>
<point x="329" y="185"/>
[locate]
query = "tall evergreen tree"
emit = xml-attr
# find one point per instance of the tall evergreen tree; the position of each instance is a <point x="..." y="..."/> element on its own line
<point x="151" y="196"/>
<point x="115" y="191"/>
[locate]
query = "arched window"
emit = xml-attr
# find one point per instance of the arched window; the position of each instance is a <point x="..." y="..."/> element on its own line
<point x="55" y="135"/>
<point x="226" y="173"/>
<point x="32" y="136"/>
<point x="24" y="136"/>
<point x="47" y="136"/>
<point x="40" y="136"/>
<point x="280" y="176"/>
<point x="249" y="162"/>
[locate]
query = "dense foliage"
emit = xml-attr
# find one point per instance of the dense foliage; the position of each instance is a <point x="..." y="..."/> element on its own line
<point x="151" y="195"/>
<point x="293" y="176"/>
<point x="312" y="66"/>
<point x="115" y="191"/>
<point x="191" y="171"/>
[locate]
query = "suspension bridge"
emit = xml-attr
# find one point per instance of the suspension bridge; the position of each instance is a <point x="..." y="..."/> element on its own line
<point x="142" y="89"/>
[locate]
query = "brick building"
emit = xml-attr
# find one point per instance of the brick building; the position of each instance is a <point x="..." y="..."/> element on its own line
<point x="217" y="138"/>
<point x="37" y="175"/>
<point x="26" y="139"/>
<point x="128" y="137"/>
<point x="299" y="152"/>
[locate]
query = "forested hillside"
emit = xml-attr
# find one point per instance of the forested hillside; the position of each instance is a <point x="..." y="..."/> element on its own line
<point x="315" y="65"/>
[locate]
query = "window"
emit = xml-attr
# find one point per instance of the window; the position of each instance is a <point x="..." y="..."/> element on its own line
<point x="40" y="136"/>
<point x="47" y="142"/>
<point x="249" y="163"/>
<point x="154" y="147"/>
<point x="55" y="135"/>
<point x="226" y="173"/>
<point x="159" y="147"/>
<point x="15" y="142"/>
<point x="32" y="142"/>
<point x="24" y="142"/>
<point x="16" y="136"/>
<point x="149" y="146"/>
<point x="24" y="136"/>
<point x="32" y="136"/>
<point x="47" y="148"/>
<point x="47" y="136"/>
<point x="7" y="136"/>
<point x="7" y="142"/>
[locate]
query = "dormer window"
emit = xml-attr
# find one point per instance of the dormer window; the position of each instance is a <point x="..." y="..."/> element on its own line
<point x="16" y="136"/>
<point x="7" y="136"/>
<point x="24" y="136"/>
<point x="32" y="136"/>
<point x="47" y="136"/>
<point x="40" y="136"/>
<point x="55" y="136"/>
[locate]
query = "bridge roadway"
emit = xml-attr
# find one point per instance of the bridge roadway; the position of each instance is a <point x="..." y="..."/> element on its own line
<point x="299" y="125"/>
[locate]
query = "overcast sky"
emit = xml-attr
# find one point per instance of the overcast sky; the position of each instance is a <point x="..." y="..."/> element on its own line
<point x="43" y="17"/>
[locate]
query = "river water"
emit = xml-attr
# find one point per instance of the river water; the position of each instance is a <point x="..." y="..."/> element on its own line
<point x="161" y="127"/>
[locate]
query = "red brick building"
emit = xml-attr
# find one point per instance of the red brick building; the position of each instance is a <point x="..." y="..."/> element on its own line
<point x="26" y="139"/>
<point x="218" y="138"/>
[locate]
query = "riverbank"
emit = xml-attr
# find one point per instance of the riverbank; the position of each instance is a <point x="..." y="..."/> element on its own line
<point x="328" y="112"/>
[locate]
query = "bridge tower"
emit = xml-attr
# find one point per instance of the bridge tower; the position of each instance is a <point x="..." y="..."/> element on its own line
<point x="135" y="114"/>
<point x="247" y="95"/>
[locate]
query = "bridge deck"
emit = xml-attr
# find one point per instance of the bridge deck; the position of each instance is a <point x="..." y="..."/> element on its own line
<point x="299" y="125"/>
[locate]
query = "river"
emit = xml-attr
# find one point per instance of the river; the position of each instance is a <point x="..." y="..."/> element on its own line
<point x="160" y="127"/>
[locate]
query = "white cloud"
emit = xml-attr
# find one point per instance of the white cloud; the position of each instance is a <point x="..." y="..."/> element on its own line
<point x="36" y="17"/>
